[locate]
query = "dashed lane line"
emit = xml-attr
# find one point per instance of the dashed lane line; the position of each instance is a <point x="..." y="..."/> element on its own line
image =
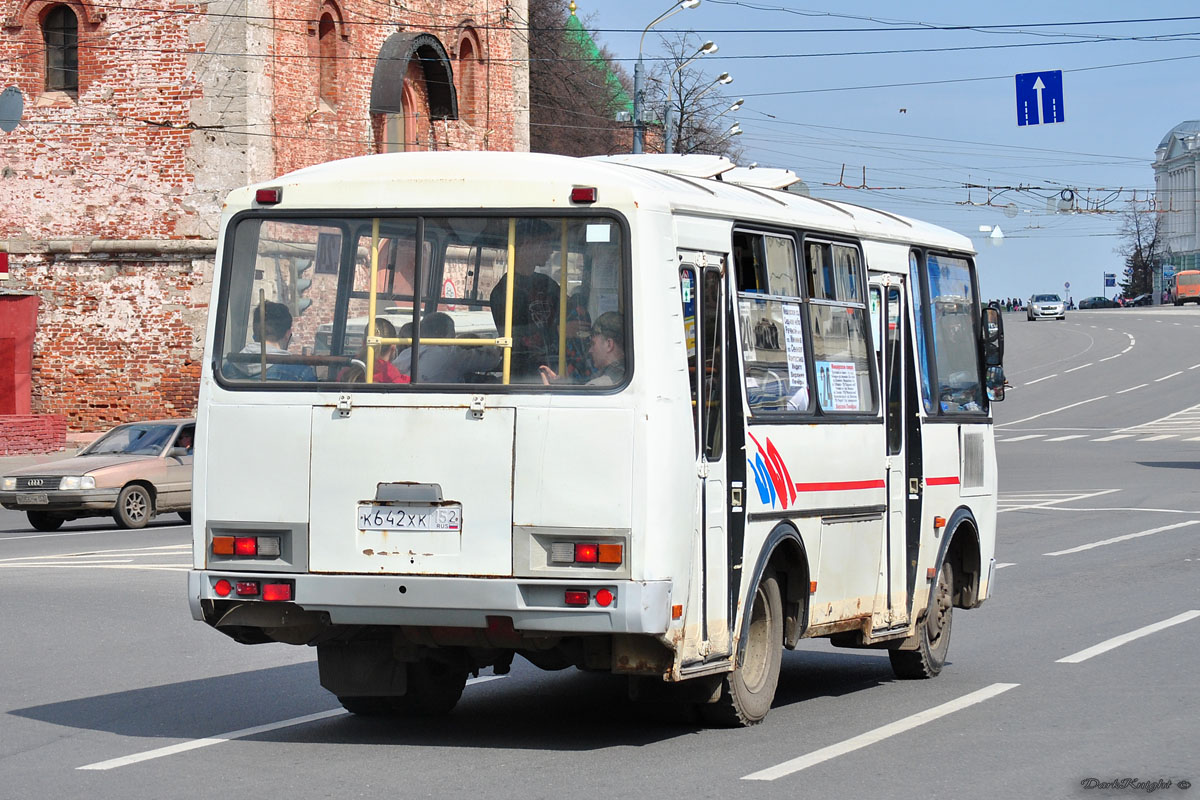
<point x="194" y="744"/>
<point x="1124" y="538"/>
<point x="1133" y="388"/>
<point x="879" y="734"/>
<point x="1117" y="641"/>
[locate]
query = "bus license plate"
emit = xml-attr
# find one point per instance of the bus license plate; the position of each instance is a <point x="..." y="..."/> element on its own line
<point x="410" y="517"/>
<point x="38" y="499"/>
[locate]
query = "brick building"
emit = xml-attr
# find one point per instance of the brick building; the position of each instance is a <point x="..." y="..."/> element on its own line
<point x="138" y="117"/>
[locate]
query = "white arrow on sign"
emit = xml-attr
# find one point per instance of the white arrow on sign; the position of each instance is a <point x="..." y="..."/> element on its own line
<point x="1037" y="87"/>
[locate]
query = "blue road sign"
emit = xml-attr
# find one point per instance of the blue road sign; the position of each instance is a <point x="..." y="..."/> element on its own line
<point x="1040" y="98"/>
<point x="1110" y="279"/>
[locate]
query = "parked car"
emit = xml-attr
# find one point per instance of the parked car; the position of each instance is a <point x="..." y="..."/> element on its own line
<point x="1043" y="306"/>
<point x="1140" y="300"/>
<point x="1097" y="302"/>
<point x="133" y="472"/>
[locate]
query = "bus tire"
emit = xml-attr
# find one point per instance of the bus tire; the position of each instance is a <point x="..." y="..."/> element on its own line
<point x="434" y="688"/>
<point x="748" y="691"/>
<point x="933" y="634"/>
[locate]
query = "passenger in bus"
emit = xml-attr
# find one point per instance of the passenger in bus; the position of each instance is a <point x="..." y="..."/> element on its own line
<point x="607" y="351"/>
<point x="535" y="301"/>
<point x="441" y="363"/>
<point x="274" y="340"/>
<point x="382" y="370"/>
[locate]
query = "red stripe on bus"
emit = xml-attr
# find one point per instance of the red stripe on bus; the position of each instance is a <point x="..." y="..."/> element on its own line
<point x="951" y="481"/>
<point x="839" y="486"/>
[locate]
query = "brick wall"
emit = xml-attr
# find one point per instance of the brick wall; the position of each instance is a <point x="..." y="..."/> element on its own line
<point x="31" y="433"/>
<point x="178" y="103"/>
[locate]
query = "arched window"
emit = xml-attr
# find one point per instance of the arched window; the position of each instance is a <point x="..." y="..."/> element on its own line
<point x="468" y="75"/>
<point x="327" y="39"/>
<point x="60" y="31"/>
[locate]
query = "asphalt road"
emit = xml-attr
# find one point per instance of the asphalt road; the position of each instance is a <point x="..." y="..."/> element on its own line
<point x="1080" y="668"/>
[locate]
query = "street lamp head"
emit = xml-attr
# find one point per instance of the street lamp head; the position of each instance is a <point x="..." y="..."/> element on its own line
<point x="708" y="48"/>
<point x="688" y="3"/>
<point x="725" y="78"/>
<point x="738" y="104"/>
<point x="735" y="129"/>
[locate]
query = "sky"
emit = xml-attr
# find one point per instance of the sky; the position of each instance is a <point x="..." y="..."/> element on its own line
<point x="937" y="111"/>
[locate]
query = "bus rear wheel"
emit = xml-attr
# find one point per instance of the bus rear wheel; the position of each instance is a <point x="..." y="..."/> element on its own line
<point x="748" y="691"/>
<point x="933" y="634"/>
<point x="434" y="688"/>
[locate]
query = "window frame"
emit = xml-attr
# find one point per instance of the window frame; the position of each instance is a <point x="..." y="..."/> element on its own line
<point x="345" y="219"/>
<point x="68" y="51"/>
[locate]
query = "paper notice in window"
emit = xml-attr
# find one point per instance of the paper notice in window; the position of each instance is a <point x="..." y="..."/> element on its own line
<point x="793" y="336"/>
<point x="837" y="385"/>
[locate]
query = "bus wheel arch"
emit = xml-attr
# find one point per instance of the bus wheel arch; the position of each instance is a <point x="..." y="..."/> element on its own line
<point x="961" y="549"/>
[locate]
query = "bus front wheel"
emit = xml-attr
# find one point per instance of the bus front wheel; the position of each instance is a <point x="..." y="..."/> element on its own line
<point x="933" y="634"/>
<point x="748" y="691"/>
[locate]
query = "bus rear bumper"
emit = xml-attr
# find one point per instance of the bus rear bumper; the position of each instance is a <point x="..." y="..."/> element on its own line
<point x="533" y="605"/>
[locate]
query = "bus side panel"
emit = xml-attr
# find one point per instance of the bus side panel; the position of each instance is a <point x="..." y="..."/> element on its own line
<point x="260" y="461"/>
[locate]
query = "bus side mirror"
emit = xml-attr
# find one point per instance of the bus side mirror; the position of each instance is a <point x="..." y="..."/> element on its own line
<point x="992" y="347"/>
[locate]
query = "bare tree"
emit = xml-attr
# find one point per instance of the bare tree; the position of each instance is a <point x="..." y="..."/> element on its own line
<point x="1142" y="246"/>
<point x="576" y="91"/>
<point x="699" y="109"/>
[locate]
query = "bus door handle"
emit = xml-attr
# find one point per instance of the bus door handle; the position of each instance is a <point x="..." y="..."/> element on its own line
<point x="914" y="486"/>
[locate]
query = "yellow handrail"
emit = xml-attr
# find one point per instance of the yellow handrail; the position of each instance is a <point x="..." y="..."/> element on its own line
<point x="369" y="333"/>
<point x="562" y="305"/>
<point x="510" y="283"/>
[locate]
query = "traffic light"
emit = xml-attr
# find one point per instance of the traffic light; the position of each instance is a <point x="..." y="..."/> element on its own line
<point x="300" y="285"/>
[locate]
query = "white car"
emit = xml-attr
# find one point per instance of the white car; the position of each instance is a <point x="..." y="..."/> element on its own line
<point x="1046" y="306"/>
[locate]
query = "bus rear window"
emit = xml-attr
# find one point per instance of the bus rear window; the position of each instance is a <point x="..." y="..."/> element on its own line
<point x="393" y="302"/>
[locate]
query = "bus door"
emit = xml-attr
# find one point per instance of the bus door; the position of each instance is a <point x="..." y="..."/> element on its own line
<point x="888" y="319"/>
<point x="702" y="291"/>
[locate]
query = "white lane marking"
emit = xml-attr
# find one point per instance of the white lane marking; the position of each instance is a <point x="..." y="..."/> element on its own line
<point x="1067" y="438"/>
<point x="101" y="565"/>
<point x="104" y="531"/>
<point x="194" y="744"/>
<point x="1056" y="500"/>
<point x="1158" y="438"/>
<point x="1023" y="438"/>
<point x="1039" y="380"/>
<point x="1124" y="538"/>
<point x="1168" y="377"/>
<point x="1055" y="410"/>
<point x="1131" y="388"/>
<point x="1110" y="358"/>
<point x="1117" y="641"/>
<point x="1072" y="369"/>
<point x="878" y="735"/>
<point x="1195" y="366"/>
<point x="105" y="553"/>
<point x="1193" y="439"/>
<point x="1006" y="564"/>
<point x="1114" y="437"/>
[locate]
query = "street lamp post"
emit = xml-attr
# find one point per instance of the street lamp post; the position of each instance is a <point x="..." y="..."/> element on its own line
<point x="638" y="88"/>
<point x="705" y="49"/>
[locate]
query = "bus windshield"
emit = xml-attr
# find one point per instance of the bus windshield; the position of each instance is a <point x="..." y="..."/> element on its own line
<point x="300" y="295"/>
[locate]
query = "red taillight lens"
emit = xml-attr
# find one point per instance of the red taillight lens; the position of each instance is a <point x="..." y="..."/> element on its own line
<point x="268" y="197"/>
<point x="222" y="588"/>
<point x="604" y="598"/>
<point x="587" y="553"/>
<point x="574" y="598"/>
<point x="583" y="194"/>
<point x="277" y="591"/>
<point x="247" y="588"/>
<point x="245" y="546"/>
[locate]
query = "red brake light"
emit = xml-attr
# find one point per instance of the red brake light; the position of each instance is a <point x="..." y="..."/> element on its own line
<point x="247" y="588"/>
<point x="277" y="591"/>
<point x="245" y="546"/>
<point x="586" y="553"/>
<point x="583" y="194"/>
<point x="574" y="598"/>
<point x="604" y="598"/>
<point x="222" y="588"/>
<point x="268" y="197"/>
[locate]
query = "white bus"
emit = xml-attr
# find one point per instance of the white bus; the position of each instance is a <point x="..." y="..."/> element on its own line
<point x="696" y="419"/>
